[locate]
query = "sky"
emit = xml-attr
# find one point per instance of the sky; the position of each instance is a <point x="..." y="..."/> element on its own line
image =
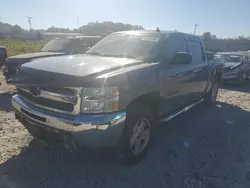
<point x="224" y="18"/>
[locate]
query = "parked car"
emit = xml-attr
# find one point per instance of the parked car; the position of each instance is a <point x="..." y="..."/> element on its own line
<point x="56" y="47"/>
<point x="117" y="92"/>
<point x="237" y="66"/>
<point x="3" y="56"/>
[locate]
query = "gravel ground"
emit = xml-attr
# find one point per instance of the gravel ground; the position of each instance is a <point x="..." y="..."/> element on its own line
<point x="206" y="147"/>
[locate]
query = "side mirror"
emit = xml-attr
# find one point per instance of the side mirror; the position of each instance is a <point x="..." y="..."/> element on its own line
<point x="182" y="58"/>
<point x="210" y="55"/>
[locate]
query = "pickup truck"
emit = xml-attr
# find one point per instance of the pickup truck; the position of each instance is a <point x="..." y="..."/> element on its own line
<point x="3" y="56"/>
<point x="116" y="93"/>
<point x="55" y="47"/>
<point x="237" y="66"/>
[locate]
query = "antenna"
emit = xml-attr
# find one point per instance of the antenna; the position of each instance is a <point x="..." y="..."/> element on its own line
<point x="29" y="21"/>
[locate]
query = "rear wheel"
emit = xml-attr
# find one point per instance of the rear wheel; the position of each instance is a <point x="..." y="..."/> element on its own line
<point x="137" y="132"/>
<point x="211" y="97"/>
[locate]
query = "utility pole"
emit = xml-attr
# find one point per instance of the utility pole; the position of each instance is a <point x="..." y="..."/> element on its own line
<point x="29" y="21"/>
<point x="195" y="26"/>
<point x="78" y="22"/>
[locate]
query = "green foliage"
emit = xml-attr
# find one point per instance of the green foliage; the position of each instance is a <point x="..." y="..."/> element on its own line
<point x="15" y="46"/>
<point x="208" y="36"/>
<point x="107" y="27"/>
<point x="98" y="28"/>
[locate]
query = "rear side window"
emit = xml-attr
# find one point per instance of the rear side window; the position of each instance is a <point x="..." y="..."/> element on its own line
<point x="175" y="44"/>
<point x="196" y="50"/>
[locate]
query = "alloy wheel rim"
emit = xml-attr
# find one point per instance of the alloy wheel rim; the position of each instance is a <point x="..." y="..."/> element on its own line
<point x="141" y="135"/>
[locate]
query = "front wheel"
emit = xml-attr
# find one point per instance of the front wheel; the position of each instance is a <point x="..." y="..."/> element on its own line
<point x="211" y="96"/>
<point x="137" y="132"/>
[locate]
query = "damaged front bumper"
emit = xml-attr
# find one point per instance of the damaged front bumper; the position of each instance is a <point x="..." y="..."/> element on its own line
<point x="102" y="130"/>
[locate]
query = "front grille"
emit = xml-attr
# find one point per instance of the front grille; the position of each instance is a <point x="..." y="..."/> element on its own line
<point x="55" y="99"/>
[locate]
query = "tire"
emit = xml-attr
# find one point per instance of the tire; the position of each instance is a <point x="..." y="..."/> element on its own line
<point x="245" y="76"/>
<point x="137" y="132"/>
<point x="210" y="98"/>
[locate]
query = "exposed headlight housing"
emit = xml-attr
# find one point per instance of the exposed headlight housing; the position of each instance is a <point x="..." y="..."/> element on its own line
<point x="100" y="100"/>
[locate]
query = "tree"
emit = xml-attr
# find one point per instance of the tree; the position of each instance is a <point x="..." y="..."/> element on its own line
<point x="39" y="36"/>
<point x="208" y="36"/>
<point x="16" y="30"/>
<point x="106" y="27"/>
<point x="58" y="30"/>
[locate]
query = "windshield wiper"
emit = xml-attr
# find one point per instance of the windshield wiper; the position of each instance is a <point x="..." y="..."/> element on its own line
<point x="49" y="51"/>
<point x="124" y="56"/>
<point x="95" y="53"/>
<point x="111" y="55"/>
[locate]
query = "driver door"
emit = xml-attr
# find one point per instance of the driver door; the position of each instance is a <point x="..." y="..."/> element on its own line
<point x="174" y="78"/>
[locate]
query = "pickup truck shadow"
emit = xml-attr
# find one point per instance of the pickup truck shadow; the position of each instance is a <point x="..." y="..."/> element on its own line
<point x="194" y="144"/>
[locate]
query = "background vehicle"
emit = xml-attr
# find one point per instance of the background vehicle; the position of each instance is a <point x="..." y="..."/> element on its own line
<point x="56" y="47"/>
<point x="117" y="92"/>
<point x="3" y="55"/>
<point x="237" y="67"/>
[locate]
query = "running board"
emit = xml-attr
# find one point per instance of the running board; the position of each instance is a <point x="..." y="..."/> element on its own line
<point x="171" y="116"/>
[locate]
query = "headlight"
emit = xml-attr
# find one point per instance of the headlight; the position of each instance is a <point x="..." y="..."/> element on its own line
<point x="99" y="100"/>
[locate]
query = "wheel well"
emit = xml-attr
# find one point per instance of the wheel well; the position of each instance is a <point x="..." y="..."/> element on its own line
<point x="150" y="99"/>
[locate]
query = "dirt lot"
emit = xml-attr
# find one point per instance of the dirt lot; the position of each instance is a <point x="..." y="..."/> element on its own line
<point x="207" y="147"/>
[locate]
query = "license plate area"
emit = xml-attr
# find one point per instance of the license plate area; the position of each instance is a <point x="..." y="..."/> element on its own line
<point x="40" y="130"/>
<point x="33" y="115"/>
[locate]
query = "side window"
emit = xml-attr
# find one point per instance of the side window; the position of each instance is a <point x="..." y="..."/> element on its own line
<point x="175" y="44"/>
<point x="196" y="50"/>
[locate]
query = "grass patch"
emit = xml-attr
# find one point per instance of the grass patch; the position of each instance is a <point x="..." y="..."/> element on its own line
<point x="15" y="46"/>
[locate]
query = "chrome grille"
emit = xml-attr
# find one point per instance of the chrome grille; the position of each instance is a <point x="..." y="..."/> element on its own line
<point x="62" y="100"/>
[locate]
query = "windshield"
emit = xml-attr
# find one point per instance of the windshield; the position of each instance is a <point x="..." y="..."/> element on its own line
<point x="57" y="45"/>
<point x="140" y="46"/>
<point x="232" y="58"/>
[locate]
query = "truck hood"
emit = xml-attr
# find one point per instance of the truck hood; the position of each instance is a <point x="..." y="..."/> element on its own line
<point x="70" y="70"/>
<point x="23" y="58"/>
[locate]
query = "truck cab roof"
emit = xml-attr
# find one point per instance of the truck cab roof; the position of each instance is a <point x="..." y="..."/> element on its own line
<point x="162" y="32"/>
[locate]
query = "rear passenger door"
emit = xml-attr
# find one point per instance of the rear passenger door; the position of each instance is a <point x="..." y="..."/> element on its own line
<point x="199" y="70"/>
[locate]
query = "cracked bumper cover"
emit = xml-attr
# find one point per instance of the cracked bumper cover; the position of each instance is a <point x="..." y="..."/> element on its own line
<point x="102" y="130"/>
